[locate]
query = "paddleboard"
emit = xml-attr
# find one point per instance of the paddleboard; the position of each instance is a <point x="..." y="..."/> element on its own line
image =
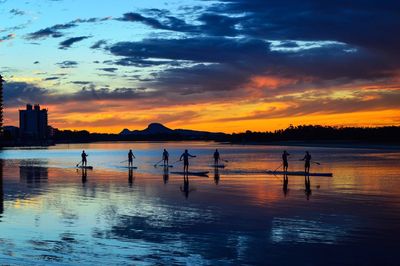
<point x="298" y="173"/>
<point x="191" y="173"/>
<point x="217" y="166"/>
<point x="130" y="167"/>
<point x="86" y="167"/>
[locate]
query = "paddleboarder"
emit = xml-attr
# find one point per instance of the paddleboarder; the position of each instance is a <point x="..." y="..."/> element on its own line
<point x="216" y="157"/>
<point x="84" y="160"/>
<point x="185" y="156"/>
<point x="165" y="157"/>
<point x="130" y="158"/>
<point x="307" y="162"/>
<point x="285" y="161"/>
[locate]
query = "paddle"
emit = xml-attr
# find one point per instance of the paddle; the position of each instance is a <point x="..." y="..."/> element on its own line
<point x="158" y="163"/>
<point x="278" y="167"/>
<point x="176" y="161"/>
<point x="317" y="163"/>
<point x="123" y="161"/>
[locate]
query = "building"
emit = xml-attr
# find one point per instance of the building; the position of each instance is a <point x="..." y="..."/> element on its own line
<point x="1" y="105"/>
<point x="33" y="124"/>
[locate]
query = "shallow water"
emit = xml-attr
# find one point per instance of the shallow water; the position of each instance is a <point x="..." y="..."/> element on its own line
<point x="52" y="213"/>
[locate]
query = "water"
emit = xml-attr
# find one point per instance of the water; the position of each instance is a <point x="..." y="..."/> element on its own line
<point x="52" y="213"/>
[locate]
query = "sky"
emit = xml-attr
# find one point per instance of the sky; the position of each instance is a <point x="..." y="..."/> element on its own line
<point x="222" y="65"/>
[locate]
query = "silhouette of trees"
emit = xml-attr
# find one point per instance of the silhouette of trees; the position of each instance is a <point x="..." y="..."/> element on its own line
<point x="323" y="133"/>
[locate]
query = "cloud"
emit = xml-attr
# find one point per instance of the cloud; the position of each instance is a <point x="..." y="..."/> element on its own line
<point x="51" y="78"/>
<point x="17" y="12"/>
<point x="53" y="31"/>
<point x="109" y="69"/>
<point x="7" y="37"/>
<point x="56" y="31"/>
<point x="67" y="64"/>
<point x="99" y="44"/>
<point x="20" y="93"/>
<point x="167" y="23"/>
<point x="68" y="42"/>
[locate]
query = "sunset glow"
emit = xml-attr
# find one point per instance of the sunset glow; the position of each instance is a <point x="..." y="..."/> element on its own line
<point x="226" y="66"/>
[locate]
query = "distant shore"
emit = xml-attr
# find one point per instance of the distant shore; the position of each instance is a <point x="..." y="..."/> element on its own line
<point x="328" y="144"/>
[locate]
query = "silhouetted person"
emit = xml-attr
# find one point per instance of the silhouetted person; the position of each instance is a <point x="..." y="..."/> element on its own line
<point x="84" y="175"/>
<point x="166" y="175"/>
<point x="84" y="156"/>
<point x="307" y="186"/>
<point x="216" y="175"/>
<point x="130" y="158"/>
<point x="216" y="157"/>
<point x="307" y="162"/>
<point x="185" y="156"/>
<point x="285" y="162"/>
<point x="130" y="177"/>
<point x="165" y="157"/>
<point x="285" y="184"/>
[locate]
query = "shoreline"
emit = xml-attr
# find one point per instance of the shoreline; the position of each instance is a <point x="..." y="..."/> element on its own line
<point x="328" y="144"/>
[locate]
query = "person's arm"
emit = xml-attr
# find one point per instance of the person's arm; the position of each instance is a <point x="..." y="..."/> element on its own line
<point x="192" y="155"/>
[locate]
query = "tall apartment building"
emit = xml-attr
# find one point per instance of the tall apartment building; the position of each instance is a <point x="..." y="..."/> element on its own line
<point x="33" y="124"/>
<point x="1" y="105"/>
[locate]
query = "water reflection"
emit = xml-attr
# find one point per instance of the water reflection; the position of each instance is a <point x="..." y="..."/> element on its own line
<point x="285" y="184"/>
<point x="130" y="177"/>
<point x="84" y="175"/>
<point x="166" y="174"/>
<point x="248" y="213"/>
<point x="185" y="189"/>
<point x="34" y="175"/>
<point x="216" y="175"/>
<point x="307" y="183"/>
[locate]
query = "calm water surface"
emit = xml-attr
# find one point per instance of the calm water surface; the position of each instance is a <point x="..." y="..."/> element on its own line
<point x="52" y="213"/>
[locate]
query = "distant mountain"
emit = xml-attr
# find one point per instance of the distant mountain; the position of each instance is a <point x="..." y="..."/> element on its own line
<point x="159" y="129"/>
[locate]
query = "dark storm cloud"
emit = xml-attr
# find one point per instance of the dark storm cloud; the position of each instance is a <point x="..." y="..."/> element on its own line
<point x="370" y="23"/>
<point x="20" y="93"/>
<point x="166" y="23"/>
<point x="198" y="49"/>
<point x="218" y="25"/>
<point x="226" y="63"/>
<point x="69" y="42"/>
<point x="345" y="43"/>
